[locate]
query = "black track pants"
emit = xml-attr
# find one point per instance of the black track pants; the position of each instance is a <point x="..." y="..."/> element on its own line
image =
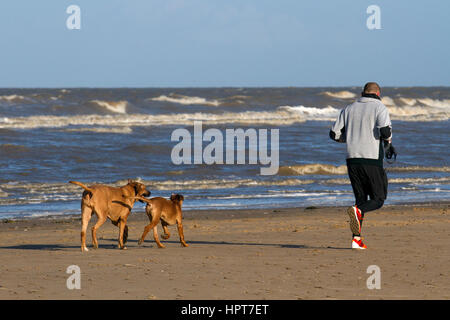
<point x="369" y="185"/>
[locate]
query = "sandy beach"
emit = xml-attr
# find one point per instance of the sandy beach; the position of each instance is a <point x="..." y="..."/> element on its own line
<point x="298" y="253"/>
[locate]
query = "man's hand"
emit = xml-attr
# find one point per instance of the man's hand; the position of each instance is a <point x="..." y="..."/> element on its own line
<point x="389" y="150"/>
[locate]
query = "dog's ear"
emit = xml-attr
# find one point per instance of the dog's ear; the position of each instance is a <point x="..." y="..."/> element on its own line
<point x="176" y="197"/>
<point x="130" y="181"/>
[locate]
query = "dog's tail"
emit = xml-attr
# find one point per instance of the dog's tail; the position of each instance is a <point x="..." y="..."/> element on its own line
<point x="149" y="201"/>
<point x="83" y="186"/>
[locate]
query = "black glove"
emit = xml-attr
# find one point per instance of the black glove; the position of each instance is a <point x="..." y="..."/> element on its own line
<point x="389" y="150"/>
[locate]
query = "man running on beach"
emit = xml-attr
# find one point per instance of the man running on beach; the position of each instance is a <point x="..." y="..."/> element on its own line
<point x="363" y="126"/>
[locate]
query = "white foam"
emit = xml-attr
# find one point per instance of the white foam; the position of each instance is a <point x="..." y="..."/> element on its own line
<point x="200" y="184"/>
<point x="340" y="94"/>
<point x="114" y="106"/>
<point x="311" y="113"/>
<point x="387" y="101"/>
<point x="13" y="97"/>
<point x="277" y="117"/>
<point x="297" y="193"/>
<point x="313" y="169"/>
<point x="434" y="103"/>
<point x="418" y="113"/>
<point x="401" y="108"/>
<point x="411" y="181"/>
<point x="423" y="109"/>
<point x="45" y="192"/>
<point x="186" y="100"/>
<point x="3" y="194"/>
<point x="407" y="101"/>
<point x="122" y="130"/>
<point x="329" y="169"/>
<point x="421" y="181"/>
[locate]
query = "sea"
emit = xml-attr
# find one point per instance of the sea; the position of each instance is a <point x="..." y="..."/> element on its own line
<point x="92" y="135"/>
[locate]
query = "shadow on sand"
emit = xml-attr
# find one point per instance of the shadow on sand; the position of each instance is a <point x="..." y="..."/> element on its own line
<point x="280" y="245"/>
<point x="55" y="247"/>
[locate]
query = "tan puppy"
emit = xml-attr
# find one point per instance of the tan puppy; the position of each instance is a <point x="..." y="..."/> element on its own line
<point x="169" y="212"/>
<point x="108" y="202"/>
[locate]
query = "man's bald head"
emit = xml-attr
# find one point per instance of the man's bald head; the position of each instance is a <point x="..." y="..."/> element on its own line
<point x="372" y="87"/>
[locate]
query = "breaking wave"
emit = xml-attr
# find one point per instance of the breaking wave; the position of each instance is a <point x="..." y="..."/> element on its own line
<point x="416" y="110"/>
<point x="3" y="194"/>
<point x="329" y="169"/>
<point x="121" y="130"/>
<point x="278" y="117"/>
<point x="311" y="113"/>
<point x="12" y="98"/>
<point x="186" y="100"/>
<point x="113" y="106"/>
<point x="283" y="115"/>
<point x="316" y="168"/>
<point x="410" y="181"/>
<point x="44" y="192"/>
<point x="340" y="94"/>
<point x="32" y="193"/>
<point x="410" y="109"/>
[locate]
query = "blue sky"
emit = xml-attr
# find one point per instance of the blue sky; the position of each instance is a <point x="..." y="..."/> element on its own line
<point x="215" y="43"/>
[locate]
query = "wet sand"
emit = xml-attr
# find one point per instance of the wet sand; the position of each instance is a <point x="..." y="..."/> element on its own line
<point x="293" y="253"/>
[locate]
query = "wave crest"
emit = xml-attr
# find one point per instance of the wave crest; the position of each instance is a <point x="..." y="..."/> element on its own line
<point x="328" y="169"/>
<point x="121" y="130"/>
<point x="425" y="109"/>
<point x="316" y="168"/>
<point x="311" y="113"/>
<point x="186" y="100"/>
<point x="340" y="94"/>
<point x="277" y="117"/>
<point x="12" y="98"/>
<point x="113" y="106"/>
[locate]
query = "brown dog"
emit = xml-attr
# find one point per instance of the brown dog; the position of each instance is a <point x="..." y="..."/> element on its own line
<point x="169" y="212"/>
<point x="108" y="202"/>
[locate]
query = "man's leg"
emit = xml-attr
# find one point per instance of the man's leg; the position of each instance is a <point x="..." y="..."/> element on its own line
<point x="358" y="180"/>
<point x="377" y="188"/>
<point x="371" y="205"/>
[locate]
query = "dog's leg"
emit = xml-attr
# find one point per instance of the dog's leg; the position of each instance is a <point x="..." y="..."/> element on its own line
<point x="101" y="220"/>
<point x="166" y="234"/>
<point x="125" y="235"/>
<point x="122" y="227"/>
<point x="155" y="235"/>
<point x="181" y="233"/>
<point x="147" y="228"/>
<point x="86" y="214"/>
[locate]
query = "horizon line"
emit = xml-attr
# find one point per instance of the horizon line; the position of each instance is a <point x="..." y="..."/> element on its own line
<point x="219" y="87"/>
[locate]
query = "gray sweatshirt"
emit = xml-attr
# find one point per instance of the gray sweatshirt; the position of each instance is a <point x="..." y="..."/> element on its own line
<point x="362" y="125"/>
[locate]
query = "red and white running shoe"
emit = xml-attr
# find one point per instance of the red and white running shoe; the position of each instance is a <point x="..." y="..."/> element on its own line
<point x="355" y="220"/>
<point x="358" y="244"/>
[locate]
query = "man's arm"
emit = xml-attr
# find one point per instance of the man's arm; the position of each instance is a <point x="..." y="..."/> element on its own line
<point x="386" y="133"/>
<point x="337" y="131"/>
<point x="384" y="124"/>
